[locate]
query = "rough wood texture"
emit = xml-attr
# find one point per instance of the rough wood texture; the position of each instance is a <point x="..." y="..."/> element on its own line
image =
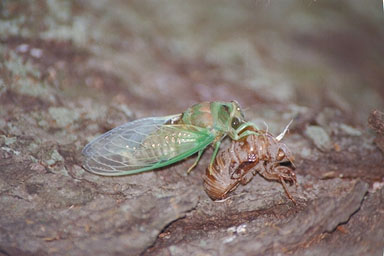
<point x="70" y="70"/>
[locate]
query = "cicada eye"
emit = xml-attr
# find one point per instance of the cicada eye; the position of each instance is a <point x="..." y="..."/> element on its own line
<point x="280" y="155"/>
<point x="235" y="123"/>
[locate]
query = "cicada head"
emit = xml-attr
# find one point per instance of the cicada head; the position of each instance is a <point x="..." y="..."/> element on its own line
<point x="277" y="160"/>
<point x="237" y="111"/>
<point x="283" y="155"/>
<point x="236" y="117"/>
<point x="270" y="149"/>
<point x="229" y="118"/>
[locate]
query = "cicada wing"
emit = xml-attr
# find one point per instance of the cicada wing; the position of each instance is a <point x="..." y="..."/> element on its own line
<point x="144" y="144"/>
<point x="129" y="134"/>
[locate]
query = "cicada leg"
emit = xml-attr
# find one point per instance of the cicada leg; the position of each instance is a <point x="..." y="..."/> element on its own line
<point x="246" y="133"/>
<point x="217" y="146"/>
<point x="286" y="190"/>
<point x="196" y="161"/>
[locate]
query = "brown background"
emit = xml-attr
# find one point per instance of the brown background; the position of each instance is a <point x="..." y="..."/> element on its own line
<point x="72" y="70"/>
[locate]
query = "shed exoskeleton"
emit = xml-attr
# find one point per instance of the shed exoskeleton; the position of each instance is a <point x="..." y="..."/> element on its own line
<point x="256" y="153"/>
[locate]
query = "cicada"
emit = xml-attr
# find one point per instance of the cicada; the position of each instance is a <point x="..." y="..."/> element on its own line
<point x="154" y="142"/>
<point x="256" y="153"/>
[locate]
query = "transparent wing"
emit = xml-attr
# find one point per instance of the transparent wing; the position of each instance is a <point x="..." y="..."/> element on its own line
<point x="144" y="144"/>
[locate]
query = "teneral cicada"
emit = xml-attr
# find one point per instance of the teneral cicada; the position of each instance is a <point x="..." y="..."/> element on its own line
<point x="256" y="153"/>
<point x="154" y="142"/>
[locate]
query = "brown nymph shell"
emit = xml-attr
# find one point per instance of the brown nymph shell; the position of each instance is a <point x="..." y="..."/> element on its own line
<point x="256" y="153"/>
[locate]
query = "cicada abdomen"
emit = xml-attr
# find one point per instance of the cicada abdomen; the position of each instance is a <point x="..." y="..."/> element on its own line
<point x="256" y="153"/>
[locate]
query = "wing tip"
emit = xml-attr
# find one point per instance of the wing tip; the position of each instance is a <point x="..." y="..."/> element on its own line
<point x="85" y="150"/>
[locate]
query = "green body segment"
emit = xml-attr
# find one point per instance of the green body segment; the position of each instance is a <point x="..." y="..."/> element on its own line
<point x="154" y="142"/>
<point x="215" y="116"/>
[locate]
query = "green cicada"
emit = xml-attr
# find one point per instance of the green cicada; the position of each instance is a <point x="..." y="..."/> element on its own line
<point x="154" y="142"/>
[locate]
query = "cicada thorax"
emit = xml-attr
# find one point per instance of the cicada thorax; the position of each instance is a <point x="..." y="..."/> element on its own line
<point x="198" y="115"/>
<point x="257" y="153"/>
<point x="216" y="116"/>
